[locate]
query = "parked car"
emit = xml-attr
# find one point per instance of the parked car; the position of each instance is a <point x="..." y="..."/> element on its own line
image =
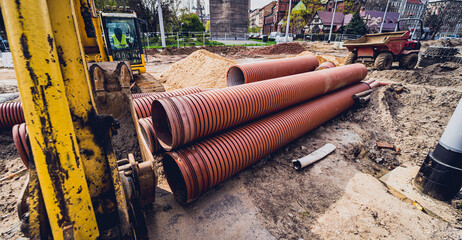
<point x="4" y="46"/>
<point x="275" y="34"/>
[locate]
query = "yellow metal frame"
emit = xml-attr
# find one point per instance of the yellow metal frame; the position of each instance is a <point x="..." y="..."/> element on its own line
<point x="98" y="42"/>
<point x="141" y="68"/>
<point x="46" y="108"/>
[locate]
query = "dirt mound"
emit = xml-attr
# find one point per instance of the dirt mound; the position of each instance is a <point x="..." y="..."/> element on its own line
<point x="338" y="61"/>
<point x="224" y="50"/>
<point x="442" y="43"/>
<point x="178" y="51"/>
<point x="442" y="67"/>
<point x="152" y="51"/>
<point x="202" y="68"/>
<point x="282" y="48"/>
<point x="439" y="75"/>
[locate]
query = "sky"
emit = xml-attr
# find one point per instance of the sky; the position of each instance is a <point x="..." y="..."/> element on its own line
<point x="254" y="4"/>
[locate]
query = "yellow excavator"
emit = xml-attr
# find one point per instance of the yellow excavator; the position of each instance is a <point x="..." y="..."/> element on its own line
<point x="114" y="34"/>
<point x="75" y="81"/>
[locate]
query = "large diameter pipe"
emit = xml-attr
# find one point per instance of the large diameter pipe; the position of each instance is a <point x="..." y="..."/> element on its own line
<point x="253" y="72"/>
<point x="11" y="114"/>
<point x="148" y="134"/>
<point x="184" y="119"/>
<point x="21" y="141"/>
<point x="143" y="104"/>
<point x="440" y="176"/>
<point x="325" y="65"/>
<point x="192" y="170"/>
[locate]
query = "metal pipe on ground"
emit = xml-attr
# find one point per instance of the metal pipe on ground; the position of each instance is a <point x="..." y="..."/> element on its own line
<point x="184" y="119"/>
<point x="440" y="175"/>
<point x="192" y="170"/>
<point x="253" y="72"/>
<point x="325" y="65"/>
<point x="11" y="114"/>
<point x="314" y="156"/>
<point x="143" y="104"/>
<point x="362" y="94"/>
<point x="148" y="134"/>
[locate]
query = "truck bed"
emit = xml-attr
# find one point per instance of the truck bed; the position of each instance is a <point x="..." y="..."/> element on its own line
<point x="377" y="39"/>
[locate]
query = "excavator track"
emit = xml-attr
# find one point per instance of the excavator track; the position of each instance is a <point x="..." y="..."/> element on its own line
<point x="145" y="82"/>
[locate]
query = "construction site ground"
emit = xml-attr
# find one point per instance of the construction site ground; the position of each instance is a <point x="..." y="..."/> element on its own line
<point x="339" y="197"/>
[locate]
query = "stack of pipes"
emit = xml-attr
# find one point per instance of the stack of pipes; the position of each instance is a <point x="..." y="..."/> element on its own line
<point x="211" y="135"/>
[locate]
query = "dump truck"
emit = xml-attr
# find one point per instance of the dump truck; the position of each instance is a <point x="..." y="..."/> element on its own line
<point x="385" y="48"/>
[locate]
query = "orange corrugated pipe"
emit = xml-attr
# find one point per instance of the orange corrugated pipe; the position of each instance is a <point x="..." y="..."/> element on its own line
<point x="142" y="104"/>
<point x="183" y="119"/>
<point x="325" y="65"/>
<point x="148" y="134"/>
<point x="253" y="72"/>
<point x="11" y="114"/>
<point x="21" y="139"/>
<point x="192" y="170"/>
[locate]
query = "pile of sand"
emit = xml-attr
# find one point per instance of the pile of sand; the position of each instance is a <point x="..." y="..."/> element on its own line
<point x="202" y="68"/>
<point x="319" y="46"/>
<point x="282" y="48"/>
<point x="338" y="61"/>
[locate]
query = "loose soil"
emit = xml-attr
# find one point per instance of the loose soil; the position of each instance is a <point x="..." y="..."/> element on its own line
<point x="282" y="48"/>
<point x="201" y="68"/>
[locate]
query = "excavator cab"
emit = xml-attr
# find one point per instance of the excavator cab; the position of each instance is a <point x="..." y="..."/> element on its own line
<point x="121" y="33"/>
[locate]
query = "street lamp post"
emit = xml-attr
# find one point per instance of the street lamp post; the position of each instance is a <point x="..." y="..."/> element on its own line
<point x="161" y="23"/>
<point x="288" y="22"/>
<point x="384" y="16"/>
<point x="332" y="22"/>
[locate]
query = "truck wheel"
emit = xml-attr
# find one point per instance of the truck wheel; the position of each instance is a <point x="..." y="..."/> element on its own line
<point x="383" y="61"/>
<point x="351" y="58"/>
<point x="409" y="61"/>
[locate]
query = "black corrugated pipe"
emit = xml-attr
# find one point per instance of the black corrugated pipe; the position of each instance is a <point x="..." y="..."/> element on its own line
<point x="440" y="176"/>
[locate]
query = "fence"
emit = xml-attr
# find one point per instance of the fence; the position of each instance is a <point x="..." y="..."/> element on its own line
<point x="177" y="39"/>
<point x="187" y="39"/>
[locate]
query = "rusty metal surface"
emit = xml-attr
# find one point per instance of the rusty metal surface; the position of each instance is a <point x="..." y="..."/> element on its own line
<point x="183" y="119"/>
<point x="254" y="72"/>
<point x="190" y="171"/>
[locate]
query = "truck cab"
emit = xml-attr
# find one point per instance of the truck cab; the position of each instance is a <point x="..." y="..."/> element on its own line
<point x="121" y="35"/>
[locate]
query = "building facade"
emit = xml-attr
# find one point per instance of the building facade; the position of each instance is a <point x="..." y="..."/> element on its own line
<point x="274" y="13"/>
<point x="229" y="19"/>
<point x="449" y="12"/>
<point x="254" y="18"/>
<point x="322" y="21"/>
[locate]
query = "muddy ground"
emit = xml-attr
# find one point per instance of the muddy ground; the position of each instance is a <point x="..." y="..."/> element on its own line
<point x="338" y="197"/>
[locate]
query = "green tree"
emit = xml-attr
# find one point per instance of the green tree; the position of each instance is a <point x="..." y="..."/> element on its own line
<point x="356" y="25"/>
<point x="191" y="23"/>
<point x="207" y="26"/>
<point x="312" y="6"/>
<point x="349" y="7"/>
<point x="298" y="17"/>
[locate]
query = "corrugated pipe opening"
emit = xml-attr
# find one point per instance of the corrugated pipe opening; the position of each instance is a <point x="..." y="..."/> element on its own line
<point x="161" y="121"/>
<point x="235" y="76"/>
<point x="175" y="178"/>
